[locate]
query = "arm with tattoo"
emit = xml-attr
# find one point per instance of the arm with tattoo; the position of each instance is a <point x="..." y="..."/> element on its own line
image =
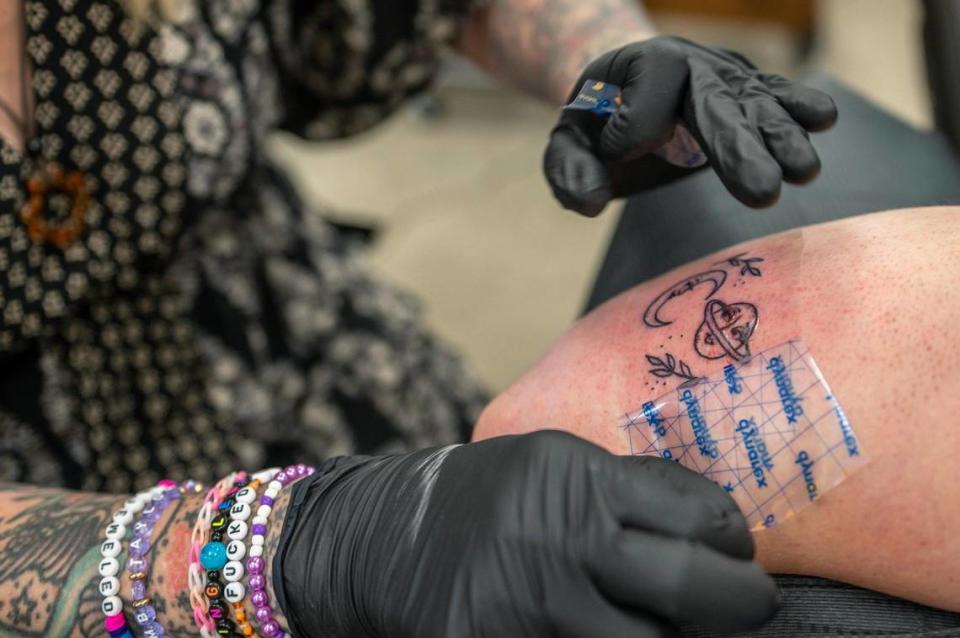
<point x="542" y="45"/>
<point x="49" y="552"/>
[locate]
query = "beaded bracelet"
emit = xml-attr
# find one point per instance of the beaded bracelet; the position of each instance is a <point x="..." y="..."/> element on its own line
<point x="256" y="581"/>
<point x="234" y="591"/>
<point x="137" y="564"/>
<point x="115" y="622"/>
<point x="196" y="577"/>
<point x="214" y="559"/>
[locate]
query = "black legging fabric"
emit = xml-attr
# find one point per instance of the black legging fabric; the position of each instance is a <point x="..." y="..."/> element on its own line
<point x="872" y="161"/>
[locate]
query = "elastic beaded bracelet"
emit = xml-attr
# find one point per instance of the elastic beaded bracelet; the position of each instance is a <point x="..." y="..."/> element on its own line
<point x="115" y="622"/>
<point x="256" y="581"/>
<point x="197" y="577"/>
<point x="240" y="511"/>
<point x="137" y="564"/>
<point x="216" y="560"/>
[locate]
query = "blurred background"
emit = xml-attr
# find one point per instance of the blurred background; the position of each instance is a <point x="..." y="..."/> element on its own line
<point x="464" y="218"/>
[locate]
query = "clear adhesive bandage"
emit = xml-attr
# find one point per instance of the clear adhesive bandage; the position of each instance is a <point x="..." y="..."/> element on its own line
<point x="768" y="430"/>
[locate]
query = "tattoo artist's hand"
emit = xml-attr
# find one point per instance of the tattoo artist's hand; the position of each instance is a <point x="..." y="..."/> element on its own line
<point x="751" y="126"/>
<point x="542" y="534"/>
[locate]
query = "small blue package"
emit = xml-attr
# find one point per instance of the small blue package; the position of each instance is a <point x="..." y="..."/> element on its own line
<point x="598" y="97"/>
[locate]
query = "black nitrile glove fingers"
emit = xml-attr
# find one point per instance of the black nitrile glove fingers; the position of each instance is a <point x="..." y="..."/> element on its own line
<point x="521" y="536"/>
<point x="685" y="582"/>
<point x="684" y="505"/>
<point x="734" y="147"/>
<point x="786" y="140"/>
<point x="812" y="109"/>
<point x="587" y="612"/>
<point x="578" y="179"/>
<point x="652" y="84"/>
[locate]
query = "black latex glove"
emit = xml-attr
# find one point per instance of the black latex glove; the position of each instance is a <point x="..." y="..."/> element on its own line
<point x="536" y="535"/>
<point x="752" y="126"/>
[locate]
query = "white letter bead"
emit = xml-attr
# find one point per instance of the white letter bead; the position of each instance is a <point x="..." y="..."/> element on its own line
<point x="256" y="540"/>
<point x="236" y="550"/>
<point x="237" y="530"/>
<point x="234" y="592"/>
<point x="109" y="586"/>
<point x="256" y="550"/>
<point x="264" y="511"/>
<point x="123" y="516"/>
<point x="111" y="605"/>
<point x="142" y="499"/>
<point x="110" y="548"/>
<point x="116" y="531"/>
<point x="240" y="511"/>
<point x="246" y="495"/>
<point x="233" y="571"/>
<point x="109" y="567"/>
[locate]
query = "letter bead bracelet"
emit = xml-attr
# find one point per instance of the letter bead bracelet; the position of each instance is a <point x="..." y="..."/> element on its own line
<point x="150" y="505"/>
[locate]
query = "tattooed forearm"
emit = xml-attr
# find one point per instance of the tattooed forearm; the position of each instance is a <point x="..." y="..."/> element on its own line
<point x="48" y="560"/>
<point x="543" y="45"/>
<point x="49" y="553"/>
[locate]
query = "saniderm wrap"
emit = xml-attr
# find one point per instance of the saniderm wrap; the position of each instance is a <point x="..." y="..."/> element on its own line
<point x="768" y="430"/>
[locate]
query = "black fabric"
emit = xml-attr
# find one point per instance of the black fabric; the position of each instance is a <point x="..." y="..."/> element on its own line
<point x="871" y="161"/>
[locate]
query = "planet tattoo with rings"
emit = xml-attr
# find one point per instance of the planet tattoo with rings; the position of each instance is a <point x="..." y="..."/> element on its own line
<point x="726" y="330"/>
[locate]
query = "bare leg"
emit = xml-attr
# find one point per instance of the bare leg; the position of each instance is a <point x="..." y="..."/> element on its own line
<point x="874" y="299"/>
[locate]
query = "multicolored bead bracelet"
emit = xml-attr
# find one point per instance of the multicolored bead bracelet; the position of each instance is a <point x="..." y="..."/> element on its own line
<point x="138" y="563"/>
<point x="256" y="580"/>
<point x="196" y="576"/>
<point x="115" y="622"/>
<point x="219" y="566"/>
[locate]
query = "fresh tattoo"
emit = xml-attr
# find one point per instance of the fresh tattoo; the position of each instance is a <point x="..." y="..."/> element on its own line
<point x="543" y="45"/>
<point x="746" y="264"/>
<point x="722" y="329"/>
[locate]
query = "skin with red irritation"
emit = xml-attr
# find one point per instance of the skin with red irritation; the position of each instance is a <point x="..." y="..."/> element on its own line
<point x="875" y="300"/>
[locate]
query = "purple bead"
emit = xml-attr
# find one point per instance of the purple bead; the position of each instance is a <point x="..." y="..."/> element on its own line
<point x="258" y="529"/>
<point x="145" y="614"/>
<point x="259" y="598"/>
<point x="301" y="469"/>
<point x="153" y="630"/>
<point x="139" y="590"/>
<point x="281" y="477"/>
<point x="269" y="629"/>
<point x="263" y="615"/>
<point x="136" y="565"/>
<point x="255" y="565"/>
<point x="138" y="547"/>
<point x="266" y="500"/>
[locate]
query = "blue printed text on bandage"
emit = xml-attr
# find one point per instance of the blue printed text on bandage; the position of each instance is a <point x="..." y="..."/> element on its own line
<point x="705" y="442"/>
<point x="734" y="381"/>
<point x="853" y="449"/>
<point x="757" y="452"/>
<point x="788" y="398"/>
<point x="654" y="419"/>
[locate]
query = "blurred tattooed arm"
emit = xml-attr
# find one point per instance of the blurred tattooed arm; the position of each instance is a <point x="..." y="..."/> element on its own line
<point x="49" y="552"/>
<point x="542" y="46"/>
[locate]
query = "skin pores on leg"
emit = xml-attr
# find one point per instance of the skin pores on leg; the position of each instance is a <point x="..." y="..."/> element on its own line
<point x="872" y="298"/>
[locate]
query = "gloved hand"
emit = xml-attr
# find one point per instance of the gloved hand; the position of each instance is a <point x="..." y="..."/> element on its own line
<point x="752" y="126"/>
<point x="535" y="535"/>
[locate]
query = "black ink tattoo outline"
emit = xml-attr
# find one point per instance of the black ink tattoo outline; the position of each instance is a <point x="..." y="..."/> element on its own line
<point x="651" y="315"/>
<point x="745" y="263"/>
<point x="711" y="340"/>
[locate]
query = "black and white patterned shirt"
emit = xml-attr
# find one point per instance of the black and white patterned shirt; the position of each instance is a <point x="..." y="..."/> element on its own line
<point x="205" y="320"/>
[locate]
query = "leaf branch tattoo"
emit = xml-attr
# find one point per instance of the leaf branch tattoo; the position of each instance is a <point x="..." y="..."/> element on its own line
<point x="746" y="264"/>
<point x="670" y="366"/>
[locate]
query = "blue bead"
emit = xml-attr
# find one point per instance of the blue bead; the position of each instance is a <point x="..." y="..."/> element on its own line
<point x="213" y="555"/>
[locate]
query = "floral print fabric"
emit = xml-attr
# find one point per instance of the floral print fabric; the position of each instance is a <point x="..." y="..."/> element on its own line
<point x="206" y="320"/>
